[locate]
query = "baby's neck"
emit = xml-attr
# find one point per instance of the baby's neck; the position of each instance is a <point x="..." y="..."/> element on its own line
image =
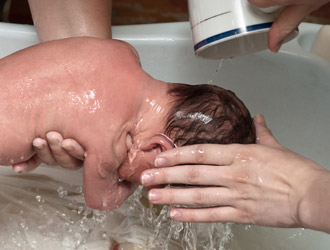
<point x="151" y="116"/>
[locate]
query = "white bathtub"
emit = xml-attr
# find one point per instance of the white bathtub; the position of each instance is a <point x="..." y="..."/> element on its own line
<point x="291" y="89"/>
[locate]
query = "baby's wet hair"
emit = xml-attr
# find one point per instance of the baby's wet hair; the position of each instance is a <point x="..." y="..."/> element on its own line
<point x="209" y="114"/>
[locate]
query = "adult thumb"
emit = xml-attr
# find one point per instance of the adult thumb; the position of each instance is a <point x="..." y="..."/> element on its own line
<point x="286" y="23"/>
<point x="263" y="133"/>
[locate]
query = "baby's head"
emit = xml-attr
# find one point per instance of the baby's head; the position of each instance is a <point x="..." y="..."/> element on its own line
<point x="203" y="114"/>
<point x="196" y="114"/>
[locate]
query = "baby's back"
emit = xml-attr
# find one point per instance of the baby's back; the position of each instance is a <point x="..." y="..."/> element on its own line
<point x="61" y="85"/>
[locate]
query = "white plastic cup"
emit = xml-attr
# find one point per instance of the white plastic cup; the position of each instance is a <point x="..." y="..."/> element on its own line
<point x="228" y="28"/>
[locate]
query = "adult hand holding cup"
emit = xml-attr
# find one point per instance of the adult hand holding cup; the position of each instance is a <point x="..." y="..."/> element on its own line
<point x="229" y="28"/>
<point x="291" y="16"/>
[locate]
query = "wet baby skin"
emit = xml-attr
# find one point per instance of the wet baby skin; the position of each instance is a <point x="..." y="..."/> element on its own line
<point x="90" y="90"/>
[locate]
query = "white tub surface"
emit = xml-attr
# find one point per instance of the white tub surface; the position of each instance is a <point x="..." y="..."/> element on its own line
<point x="291" y="89"/>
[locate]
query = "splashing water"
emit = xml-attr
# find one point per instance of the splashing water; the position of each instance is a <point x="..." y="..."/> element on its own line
<point x="169" y="234"/>
<point x="38" y="212"/>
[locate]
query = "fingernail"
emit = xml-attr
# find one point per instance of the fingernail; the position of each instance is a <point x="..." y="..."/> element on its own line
<point x="175" y="213"/>
<point x="67" y="147"/>
<point x="38" y="144"/>
<point x="259" y="119"/>
<point x="19" y="169"/>
<point x="154" y="195"/>
<point x="277" y="47"/>
<point x="147" y="178"/>
<point x="160" y="162"/>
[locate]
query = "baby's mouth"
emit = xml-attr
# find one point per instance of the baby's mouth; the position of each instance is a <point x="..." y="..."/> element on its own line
<point x="115" y="198"/>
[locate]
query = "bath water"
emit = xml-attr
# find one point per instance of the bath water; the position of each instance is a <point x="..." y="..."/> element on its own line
<point x="38" y="212"/>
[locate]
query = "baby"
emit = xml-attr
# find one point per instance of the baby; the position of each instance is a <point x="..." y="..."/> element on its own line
<point x="94" y="91"/>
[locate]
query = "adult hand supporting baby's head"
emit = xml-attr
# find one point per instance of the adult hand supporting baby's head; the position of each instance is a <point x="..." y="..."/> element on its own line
<point x="292" y="15"/>
<point x="246" y="184"/>
<point x="54" y="150"/>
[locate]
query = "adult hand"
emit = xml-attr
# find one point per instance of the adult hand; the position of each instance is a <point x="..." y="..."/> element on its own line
<point x="53" y="151"/>
<point x="263" y="184"/>
<point x="292" y="15"/>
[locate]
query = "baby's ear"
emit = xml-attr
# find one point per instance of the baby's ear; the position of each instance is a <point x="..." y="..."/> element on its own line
<point x="145" y="157"/>
<point x="157" y="144"/>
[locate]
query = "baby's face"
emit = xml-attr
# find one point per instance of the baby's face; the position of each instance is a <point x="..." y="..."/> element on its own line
<point x="141" y="156"/>
<point x="136" y="162"/>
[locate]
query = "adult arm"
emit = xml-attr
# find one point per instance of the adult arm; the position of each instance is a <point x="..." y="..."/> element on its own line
<point x="292" y="15"/>
<point x="263" y="184"/>
<point x="63" y="18"/>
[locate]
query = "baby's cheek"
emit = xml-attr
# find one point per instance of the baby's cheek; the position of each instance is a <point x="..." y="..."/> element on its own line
<point x="126" y="171"/>
<point x="131" y="172"/>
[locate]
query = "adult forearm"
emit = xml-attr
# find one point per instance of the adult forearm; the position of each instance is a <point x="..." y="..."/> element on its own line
<point x="314" y="209"/>
<point x="63" y="18"/>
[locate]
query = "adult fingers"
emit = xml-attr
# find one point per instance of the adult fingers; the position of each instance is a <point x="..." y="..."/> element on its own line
<point x="62" y="157"/>
<point x="286" y="23"/>
<point x="207" y="196"/>
<point x="263" y="3"/>
<point x="270" y="3"/>
<point x="28" y="165"/>
<point x="43" y="151"/>
<point x="191" y="175"/>
<point x="74" y="148"/>
<point x="214" y="214"/>
<point x="206" y="154"/>
<point x="263" y="133"/>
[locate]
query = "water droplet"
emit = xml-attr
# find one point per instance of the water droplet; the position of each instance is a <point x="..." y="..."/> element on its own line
<point x="38" y="198"/>
<point x="80" y="210"/>
<point x="79" y="190"/>
<point x="104" y="236"/>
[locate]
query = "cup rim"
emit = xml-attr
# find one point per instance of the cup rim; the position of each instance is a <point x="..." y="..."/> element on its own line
<point x="233" y="33"/>
<point x="206" y="49"/>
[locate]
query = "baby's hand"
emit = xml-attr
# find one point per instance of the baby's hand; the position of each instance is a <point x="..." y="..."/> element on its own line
<point x="55" y="150"/>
